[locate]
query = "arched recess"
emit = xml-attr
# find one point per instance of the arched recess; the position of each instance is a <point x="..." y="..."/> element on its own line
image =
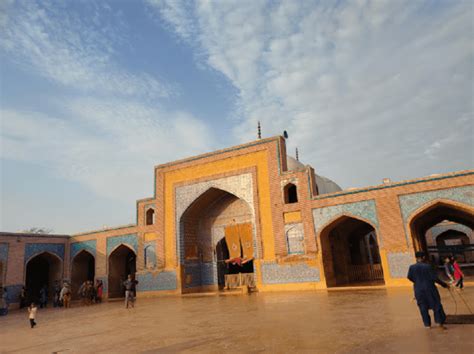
<point x="82" y="269"/>
<point x="150" y="217"/>
<point x="202" y="229"/>
<point x="350" y="252"/>
<point x="454" y="242"/>
<point x="122" y="262"/>
<point x="290" y="193"/>
<point x="432" y="214"/>
<point x="42" y="269"/>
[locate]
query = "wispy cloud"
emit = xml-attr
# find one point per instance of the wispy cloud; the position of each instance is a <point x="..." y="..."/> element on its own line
<point x="356" y="84"/>
<point x="110" y="146"/>
<point x="72" y="51"/>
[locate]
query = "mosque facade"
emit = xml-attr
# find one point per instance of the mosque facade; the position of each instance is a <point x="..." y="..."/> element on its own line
<point x="252" y="217"/>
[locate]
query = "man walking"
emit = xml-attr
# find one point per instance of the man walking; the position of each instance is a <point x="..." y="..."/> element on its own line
<point x="427" y="296"/>
<point x="129" y="285"/>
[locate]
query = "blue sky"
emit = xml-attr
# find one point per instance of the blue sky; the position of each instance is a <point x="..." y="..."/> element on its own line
<point x="96" y="93"/>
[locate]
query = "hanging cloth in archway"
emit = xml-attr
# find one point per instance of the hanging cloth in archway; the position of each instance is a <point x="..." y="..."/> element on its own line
<point x="233" y="241"/>
<point x="246" y="239"/>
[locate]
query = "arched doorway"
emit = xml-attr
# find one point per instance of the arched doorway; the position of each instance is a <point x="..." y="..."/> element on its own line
<point x="43" y="269"/>
<point x="122" y="262"/>
<point x="451" y="242"/>
<point x="350" y="253"/>
<point x="83" y="268"/>
<point x="203" y="226"/>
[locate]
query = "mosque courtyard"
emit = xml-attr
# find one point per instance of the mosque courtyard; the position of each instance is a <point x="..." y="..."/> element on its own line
<point x="348" y="321"/>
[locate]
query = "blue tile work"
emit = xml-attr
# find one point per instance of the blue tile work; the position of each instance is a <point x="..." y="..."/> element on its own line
<point x="13" y="293"/>
<point x="411" y="202"/>
<point x="208" y="273"/>
<point x="149" y="252"/>
<point x="273" y="273"/>
<point x="364" y="209"/>
<point x="32" y="249"/>
<point x="77" y="247"/>
<point x="398" y="264"/>
<point x="157" y="281"/>
<point x="130" y="240"/>
<point x="4" y="252"/>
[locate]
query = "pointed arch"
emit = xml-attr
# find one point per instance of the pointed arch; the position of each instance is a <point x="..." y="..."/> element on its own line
<point x="348" y="256"/>
<point x="42" y="269"/>
<point x="121" y="262"/>
<point x="290" y="193"/>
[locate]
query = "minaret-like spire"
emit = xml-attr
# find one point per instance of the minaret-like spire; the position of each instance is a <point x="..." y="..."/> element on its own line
<point x="297" y="156"/>
<point x="259" y="131"/>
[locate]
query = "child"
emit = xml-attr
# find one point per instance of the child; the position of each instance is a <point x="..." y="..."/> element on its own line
<point x="32" y="314"/>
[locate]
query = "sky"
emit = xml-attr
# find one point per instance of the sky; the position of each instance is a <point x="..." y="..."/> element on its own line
<point x="94" y="94"/>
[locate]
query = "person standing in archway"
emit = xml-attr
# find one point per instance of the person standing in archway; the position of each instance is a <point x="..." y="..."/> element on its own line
<point x="458" y="274"/>
<point x="65" y="295"/>
<point x="427" y="296"/>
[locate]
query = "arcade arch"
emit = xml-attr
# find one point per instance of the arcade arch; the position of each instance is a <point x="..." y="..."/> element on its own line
<point x="203" y="227"/>
<point x="42" y="269"/>
<point x="350" y="253"/>
<point x="433" y="214"/>
<point x="122" y="262"/>
<point x="82" y="269"/>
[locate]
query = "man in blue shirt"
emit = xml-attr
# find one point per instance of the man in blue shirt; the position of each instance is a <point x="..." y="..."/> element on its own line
<point x="427" y="296"/>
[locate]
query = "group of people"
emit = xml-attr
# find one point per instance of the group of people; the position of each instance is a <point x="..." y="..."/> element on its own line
<point x="453" y="272"/>
<point x="90" y="293"/>
<point x="424" y="277"/>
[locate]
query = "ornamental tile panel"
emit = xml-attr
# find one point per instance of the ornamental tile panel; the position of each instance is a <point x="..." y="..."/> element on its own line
<point x="130" y="240"/>
<point x="274" y="273"/>
<point x="411" y="202"/>
<point x="154" y="282"/>
<point x="33" y="249"/>
<point x="364" y="209"/>
<point x="89" y="246"/>
<point x="3" y="251"/>
<point x="149" y="251"/>
<point x="398" y="264"/>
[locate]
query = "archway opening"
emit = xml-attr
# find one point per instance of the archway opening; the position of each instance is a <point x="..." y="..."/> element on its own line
<point x="205" y="228"/>
<point x="122" y="262"/>
<point x="150" y="216"/>
<point x="458" y="243"/>
<point x="350" y="253"/>
<point x="83" y="269"/>
<point x="43" y="269"/>
<point x="290" y="193"/>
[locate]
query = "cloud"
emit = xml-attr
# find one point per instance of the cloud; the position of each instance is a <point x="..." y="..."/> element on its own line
<point x="109" y="146"/>
<point x="73" y="50"/>
<point x="356" y="83"/>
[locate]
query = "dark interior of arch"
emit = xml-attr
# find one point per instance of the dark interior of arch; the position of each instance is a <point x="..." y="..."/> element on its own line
<point x="83" y="268"/>
<point x="290" y="193"/>
<point x="351" y="253"/>
<point x="434" y="215"/>
<point x="122" y="262"/>
<point x="43" y="269"/>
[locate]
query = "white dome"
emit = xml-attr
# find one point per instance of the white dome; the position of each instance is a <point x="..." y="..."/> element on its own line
<point x="294" y="164"/>
<point x="326" y="186"/>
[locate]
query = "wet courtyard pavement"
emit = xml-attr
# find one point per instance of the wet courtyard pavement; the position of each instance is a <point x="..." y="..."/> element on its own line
<point x="349" y="321"/>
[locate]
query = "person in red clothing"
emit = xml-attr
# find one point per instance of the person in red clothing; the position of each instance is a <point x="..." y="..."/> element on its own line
<point x="458" y="274"/>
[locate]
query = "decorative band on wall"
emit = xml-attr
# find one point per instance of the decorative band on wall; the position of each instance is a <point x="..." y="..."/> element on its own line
<point x="274" y="273"/>
<point x="89" y="246"/>
<point x="33" y="249"/>
<point x="130" y="240"/>
<point x="365" y="209"/>
<point x="149" y="281"/>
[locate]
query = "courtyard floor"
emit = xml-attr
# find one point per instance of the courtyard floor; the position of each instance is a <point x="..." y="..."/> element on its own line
<point x="348" y="321"/>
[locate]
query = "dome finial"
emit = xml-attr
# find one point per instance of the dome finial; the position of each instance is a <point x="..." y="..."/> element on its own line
<point x="259" y="131"/>
<point x="297" y="156"/>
